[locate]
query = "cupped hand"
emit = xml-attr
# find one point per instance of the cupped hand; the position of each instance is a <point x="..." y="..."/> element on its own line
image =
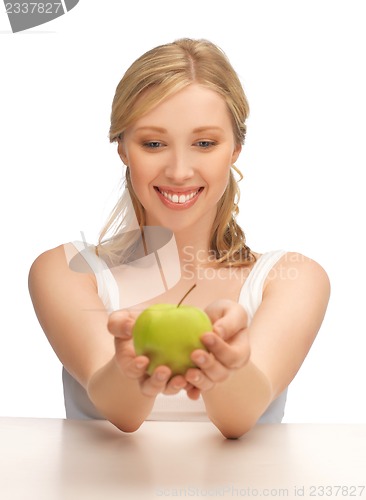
<point x="228" y="346"/>
<point x="120" y="325"/>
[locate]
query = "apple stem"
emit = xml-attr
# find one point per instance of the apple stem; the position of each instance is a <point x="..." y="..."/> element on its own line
<point x="184" y="296"/>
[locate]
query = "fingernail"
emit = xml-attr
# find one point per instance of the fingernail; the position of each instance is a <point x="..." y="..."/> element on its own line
<point x="200" y="360"/>
<point x="161" y="376"/>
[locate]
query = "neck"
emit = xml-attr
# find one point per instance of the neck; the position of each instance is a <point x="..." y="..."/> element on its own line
<point x="193" y="244"/>
<point x="193" y="253"/>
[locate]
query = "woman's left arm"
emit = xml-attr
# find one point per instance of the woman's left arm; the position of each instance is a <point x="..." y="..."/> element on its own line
<point x="247" y="368"/>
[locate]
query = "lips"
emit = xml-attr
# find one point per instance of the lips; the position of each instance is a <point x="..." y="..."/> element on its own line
<point x="178" y="198"/>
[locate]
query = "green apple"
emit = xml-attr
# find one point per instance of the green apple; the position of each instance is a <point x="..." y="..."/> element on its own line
<point x="167" y="334"/>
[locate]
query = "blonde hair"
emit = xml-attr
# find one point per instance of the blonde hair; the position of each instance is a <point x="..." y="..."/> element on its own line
<point x="164" y="71"/>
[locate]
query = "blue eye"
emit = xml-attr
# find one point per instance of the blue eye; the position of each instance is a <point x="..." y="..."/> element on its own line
<point x="152" y="144"/>
<point x="205" y="144"/>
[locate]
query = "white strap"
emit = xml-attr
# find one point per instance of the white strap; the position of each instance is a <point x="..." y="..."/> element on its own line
<point x="251" y="293"/>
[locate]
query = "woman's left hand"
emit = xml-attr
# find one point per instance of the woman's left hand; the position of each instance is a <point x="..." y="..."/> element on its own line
<point x="228" y="347"/>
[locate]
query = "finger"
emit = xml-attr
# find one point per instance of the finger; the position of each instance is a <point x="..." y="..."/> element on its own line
<point x="232" y="355"/>
<point x="136" y="368"/>
<point x="193" y="392"/>
<point x="198" y="379"/>
<point x="175" y="385"/>
<point x="131" y="365"/>
<point x="228" y="317"/>
<point x="120" y="323"/>
<point x="156" y="383"/>
<point x="210" y="366"/>
<point x="125" y="351"/>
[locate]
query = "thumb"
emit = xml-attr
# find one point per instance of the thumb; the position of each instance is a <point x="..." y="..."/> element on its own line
<point x="227" y="317"/>
<point x="121" y="322"/>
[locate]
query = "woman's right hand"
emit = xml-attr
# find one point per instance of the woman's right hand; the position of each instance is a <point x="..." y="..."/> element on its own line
<point x="120" y="325"/>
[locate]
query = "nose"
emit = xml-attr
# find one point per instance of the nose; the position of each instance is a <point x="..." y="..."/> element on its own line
<point x="179" y="167"/>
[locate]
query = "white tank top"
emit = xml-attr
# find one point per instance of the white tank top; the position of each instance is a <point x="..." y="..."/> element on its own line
<point x="178" y="407"/>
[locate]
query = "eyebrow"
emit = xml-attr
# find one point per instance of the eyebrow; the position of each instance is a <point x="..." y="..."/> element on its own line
<point x="164" y="131"/>
<point x="155" y="129"/>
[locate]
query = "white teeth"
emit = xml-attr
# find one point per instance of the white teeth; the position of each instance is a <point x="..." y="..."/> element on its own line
<point x="182" y="198"/>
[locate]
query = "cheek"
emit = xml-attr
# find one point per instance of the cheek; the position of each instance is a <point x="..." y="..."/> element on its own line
<point x="137" y="180"/>
<point x="218" y="178"/>
<point x="136" y="170"/>
<point x="223" y="183"/>
<point x="218" y="172"/>
<point x="141" y="178"/>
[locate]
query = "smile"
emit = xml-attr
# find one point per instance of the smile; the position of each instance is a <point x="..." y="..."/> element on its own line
<point x="178" y="198"/>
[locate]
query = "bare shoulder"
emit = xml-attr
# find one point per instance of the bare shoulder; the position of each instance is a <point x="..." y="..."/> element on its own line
<point x="295" y="299"/>
<point x="294" y="266"/>
<point x="55" y="256"/>
<point x="62" y="262"/>
<point x="49" y="263"/>
<point x="54" y="284"/>
<point x="70" y="311"/>
<point x="300" y="276"/>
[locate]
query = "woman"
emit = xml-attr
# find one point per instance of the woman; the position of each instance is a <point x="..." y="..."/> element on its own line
<point x="178" y="118"/>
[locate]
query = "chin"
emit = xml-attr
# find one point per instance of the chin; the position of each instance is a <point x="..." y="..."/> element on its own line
<point x="183" y="222"/>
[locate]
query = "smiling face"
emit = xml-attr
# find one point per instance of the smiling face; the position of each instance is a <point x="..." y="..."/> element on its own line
<point x="179" y="155"/>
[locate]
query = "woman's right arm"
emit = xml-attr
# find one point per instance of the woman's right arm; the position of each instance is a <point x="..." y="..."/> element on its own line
<point x="75" y="322"/>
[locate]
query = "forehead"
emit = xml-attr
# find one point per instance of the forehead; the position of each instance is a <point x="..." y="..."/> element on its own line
<point x="193" y="104"/>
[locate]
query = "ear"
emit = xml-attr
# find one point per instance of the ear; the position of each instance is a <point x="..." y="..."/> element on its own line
<point x="122" y="152"/>
<point x="236" y="153"/>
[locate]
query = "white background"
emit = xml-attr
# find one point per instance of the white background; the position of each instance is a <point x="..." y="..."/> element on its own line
<point x="302" y="67"/>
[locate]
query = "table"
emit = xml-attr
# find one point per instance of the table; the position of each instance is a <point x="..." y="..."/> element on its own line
<point x="56" y="459"/>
